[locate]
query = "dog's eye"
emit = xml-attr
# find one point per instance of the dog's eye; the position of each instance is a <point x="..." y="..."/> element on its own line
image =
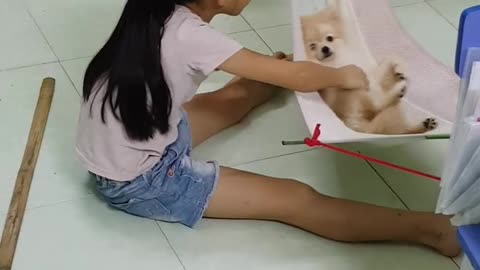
<point x="313" y="46"/>
<point x="330" y="38"/>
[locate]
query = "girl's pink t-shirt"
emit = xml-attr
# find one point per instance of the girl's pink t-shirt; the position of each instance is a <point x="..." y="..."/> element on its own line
<point x="191" y="50"/>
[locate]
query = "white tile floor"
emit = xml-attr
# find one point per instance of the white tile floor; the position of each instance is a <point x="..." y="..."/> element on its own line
<point x="66" y="227"/>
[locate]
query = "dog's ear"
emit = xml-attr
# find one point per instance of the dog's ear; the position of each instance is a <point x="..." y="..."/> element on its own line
<point x="325" y="15"/>
<point x="308" y="19"/>
<point x="332" y="15"/>
<point x="305" y="25"/>
<point x="302" y="20"/>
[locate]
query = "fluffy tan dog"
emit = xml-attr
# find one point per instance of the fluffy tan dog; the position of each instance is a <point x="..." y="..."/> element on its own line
<point x="375" y="110"/>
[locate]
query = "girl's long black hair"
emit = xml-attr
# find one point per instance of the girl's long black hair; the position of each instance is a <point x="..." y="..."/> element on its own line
<point x="130" y="63"/>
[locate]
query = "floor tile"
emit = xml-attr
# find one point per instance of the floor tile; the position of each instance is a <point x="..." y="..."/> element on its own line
<point x="397" y="3"/>
<point x="86" y="234"/>
<point x="58" y="176"/>
<point x="230" y="24"/>
<point x="430" y="30"/>
<point x="452" y="10"/>
<point x="278" y="38"/>
<point x="218" y="244"/>
<point x="76" y="71"/>
<point x="76" y="28"/>
<point x="266" y="13"/>
<point x="426" y="156"/>
<point x="22" y="42"/>
<point x="251" y="41"/>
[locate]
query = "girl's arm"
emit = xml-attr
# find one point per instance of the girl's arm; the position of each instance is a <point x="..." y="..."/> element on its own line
<point x="298" y="76"/>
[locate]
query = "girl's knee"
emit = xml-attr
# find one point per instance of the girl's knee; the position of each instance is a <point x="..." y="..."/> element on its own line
<point x="300" y="195"/>
<point x="295" y="199"/>
<point x="233" y="106"/>
<point x="301" y="190"/>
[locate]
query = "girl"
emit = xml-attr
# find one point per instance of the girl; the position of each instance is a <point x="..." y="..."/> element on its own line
<point x="140" y="120"/>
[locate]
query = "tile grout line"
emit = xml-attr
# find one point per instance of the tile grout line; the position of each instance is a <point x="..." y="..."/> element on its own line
<point x="53" y="51"/>
<point x="57" y="203"/>
<point x="256" y="33"/>
<point x="70" y="79"/>
<point x="237" y="32"/>
<point x="269" y="158"/>
<point x="388" y="185"/>
<point x="453" y="260"/>
<point x="264" y="27"/>
<point x="407" y="4"/>
<point x="44" y="63"/>
<point x="27" y="66"/>
<point x="170" y="244"/>
<point x="252" y="29"/>
<point x="441" y="15"/>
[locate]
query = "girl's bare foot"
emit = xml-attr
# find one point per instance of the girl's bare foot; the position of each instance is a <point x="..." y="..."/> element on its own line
<point x="442" y="236"/>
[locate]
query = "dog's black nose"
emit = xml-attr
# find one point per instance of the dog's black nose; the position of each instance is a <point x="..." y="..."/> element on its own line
<point x="326" y="50"/>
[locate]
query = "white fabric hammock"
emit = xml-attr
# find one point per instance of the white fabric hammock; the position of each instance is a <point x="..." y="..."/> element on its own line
<point x="433" y="87"/>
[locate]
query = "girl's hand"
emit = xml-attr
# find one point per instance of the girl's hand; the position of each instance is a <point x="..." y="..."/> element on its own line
<point x="283" y="56"/>
<point x="352" y="77"/>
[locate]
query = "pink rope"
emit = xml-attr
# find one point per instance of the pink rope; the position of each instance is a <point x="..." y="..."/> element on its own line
<point x="314" y="142"/>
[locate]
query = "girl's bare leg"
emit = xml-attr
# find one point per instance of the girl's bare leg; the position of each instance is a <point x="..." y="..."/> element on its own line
<point x="243" y="195"/>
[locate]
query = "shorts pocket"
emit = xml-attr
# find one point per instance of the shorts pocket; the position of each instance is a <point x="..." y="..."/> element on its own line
<point x="120" y="190"/>
<point x="151" y="208"/>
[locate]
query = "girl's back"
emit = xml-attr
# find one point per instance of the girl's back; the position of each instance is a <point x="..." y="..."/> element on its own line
<point x="190" y="50"/>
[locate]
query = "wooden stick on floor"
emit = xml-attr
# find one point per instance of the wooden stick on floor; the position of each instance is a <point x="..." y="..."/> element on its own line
<point x="18" y="202"/>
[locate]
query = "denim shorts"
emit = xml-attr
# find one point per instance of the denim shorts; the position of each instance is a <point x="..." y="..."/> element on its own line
<point x="177" y="189"/>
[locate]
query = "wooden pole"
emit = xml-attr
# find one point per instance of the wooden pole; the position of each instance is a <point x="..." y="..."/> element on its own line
<point x="18" y="202"/>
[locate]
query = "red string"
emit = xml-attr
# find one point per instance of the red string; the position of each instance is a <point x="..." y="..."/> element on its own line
<point x="314" y="142"/>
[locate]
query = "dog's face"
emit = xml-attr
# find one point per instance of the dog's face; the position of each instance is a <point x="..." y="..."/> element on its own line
<point x="322" y="43"/>
<point x="323" y="37"/>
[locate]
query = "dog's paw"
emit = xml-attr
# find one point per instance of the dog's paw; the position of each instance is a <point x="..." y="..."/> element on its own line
<point x="400" y="76"/>
<point x="395" y="67"/>
<point x="430" y="124"/>
<point x="399" y="71"/>
<point x="400" y="86"/>
<point x="400" y="89"/>
<point x="403" y="92"/>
